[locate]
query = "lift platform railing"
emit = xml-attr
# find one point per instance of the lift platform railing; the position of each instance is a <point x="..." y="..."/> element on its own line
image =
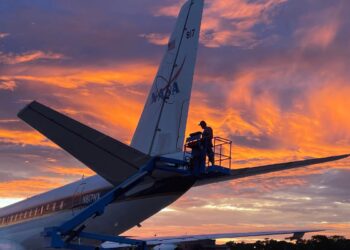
<point x="222" y="148"/>
<point x="222" y="152"/>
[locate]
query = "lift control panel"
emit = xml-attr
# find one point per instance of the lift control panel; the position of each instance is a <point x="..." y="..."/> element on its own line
<point x="194" y="151"/>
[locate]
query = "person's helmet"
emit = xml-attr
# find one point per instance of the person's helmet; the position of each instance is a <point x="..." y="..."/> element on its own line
<point x="202" y="123"/>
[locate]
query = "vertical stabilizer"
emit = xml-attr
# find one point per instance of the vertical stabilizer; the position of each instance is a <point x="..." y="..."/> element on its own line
<point x="162" y="124"/>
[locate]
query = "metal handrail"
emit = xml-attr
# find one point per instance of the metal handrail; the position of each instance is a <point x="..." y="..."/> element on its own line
<point x="220" y="148"/>
<point x="219" y="143"/>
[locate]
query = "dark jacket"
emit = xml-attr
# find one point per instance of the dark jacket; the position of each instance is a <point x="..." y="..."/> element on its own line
<point x="207" y="136"/>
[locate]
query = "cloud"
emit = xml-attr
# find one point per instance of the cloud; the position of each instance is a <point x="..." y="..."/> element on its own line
<point x="71" y="171"/>
<point x="11" y="58"/>
<point x="156" y="38"/>
<point x="170" y="10"/>
<point x="8" y="201"/>
<point x="3" y="35"/>
<point x="318" y="30"/>
<point x="229" y="207"/>
<point x="74" y="77"/>
<point x="273" y="76"/>
<point x="232" y="23"/>
<point x="237" y="21"/>
<point x="7" y="84"/>
<point x="22" y="138"/>
<point x="28" y="187"/>
<point x="318" y="36"/>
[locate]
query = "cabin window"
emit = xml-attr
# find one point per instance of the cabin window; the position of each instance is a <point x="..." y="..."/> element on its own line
<point x="16" y="217"/>
<point x="30" y="213"/>
<point x="47" y="207"/>
<point x="42" y="210"/>
<point x="54" y="206"/>
<point x="61" y="205"/>
<point x="36" y="211"/>
<point x="25" y="214"/>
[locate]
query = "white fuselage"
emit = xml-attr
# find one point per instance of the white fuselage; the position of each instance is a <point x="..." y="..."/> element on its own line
<point x="118" y="217"/>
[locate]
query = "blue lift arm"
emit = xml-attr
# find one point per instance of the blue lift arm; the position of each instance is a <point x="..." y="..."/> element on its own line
<point x="62" y="236"/>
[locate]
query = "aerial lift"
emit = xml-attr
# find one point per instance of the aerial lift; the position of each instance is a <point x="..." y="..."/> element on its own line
<point x="193" y="165"/>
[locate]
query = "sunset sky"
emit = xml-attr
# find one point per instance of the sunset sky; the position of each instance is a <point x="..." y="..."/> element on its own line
<point x="271" y="75"/>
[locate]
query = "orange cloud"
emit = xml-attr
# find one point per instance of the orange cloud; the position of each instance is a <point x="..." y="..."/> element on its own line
<point x="28" y="187"/>
<point x="323" y="114"/>
<point x="7" y="84"/>
<point x="114" y="111"/>
<point x="332" y="114"/>
<point x="69" y="78"/>
<point x="71" y="171"/>
<point x="110" y="99"/>
<point x="24" y="138"/>
<point x="12" y="58"/>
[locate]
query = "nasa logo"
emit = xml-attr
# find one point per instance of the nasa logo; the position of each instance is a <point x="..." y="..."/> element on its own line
<point x="168" y="89"/>
<point x="165" y="93"/>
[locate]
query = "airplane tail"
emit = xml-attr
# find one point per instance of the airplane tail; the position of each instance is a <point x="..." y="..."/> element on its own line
<point x="162" y="125"/>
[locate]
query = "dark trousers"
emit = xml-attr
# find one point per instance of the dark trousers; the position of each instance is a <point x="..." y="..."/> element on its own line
<point x="210" y="153"/>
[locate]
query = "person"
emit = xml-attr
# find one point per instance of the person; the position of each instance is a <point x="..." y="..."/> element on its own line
<point x="207" y="140"/>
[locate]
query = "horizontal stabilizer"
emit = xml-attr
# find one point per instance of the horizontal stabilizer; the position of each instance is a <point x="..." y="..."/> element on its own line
<point x="108" y="157"/>
<point x="246" y="172"/>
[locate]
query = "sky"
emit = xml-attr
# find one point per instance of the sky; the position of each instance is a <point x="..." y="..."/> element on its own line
<point x="272" y="75"/>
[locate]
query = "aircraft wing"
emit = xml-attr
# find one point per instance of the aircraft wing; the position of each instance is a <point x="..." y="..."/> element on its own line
<point x="246" y="172"/>
<point x="109" y="158"/>
<point x="296" y="234"/>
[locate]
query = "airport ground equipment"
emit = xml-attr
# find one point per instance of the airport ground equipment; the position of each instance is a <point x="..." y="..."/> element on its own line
<point x="194" y="151"/>
<point x="66" y="235"/>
